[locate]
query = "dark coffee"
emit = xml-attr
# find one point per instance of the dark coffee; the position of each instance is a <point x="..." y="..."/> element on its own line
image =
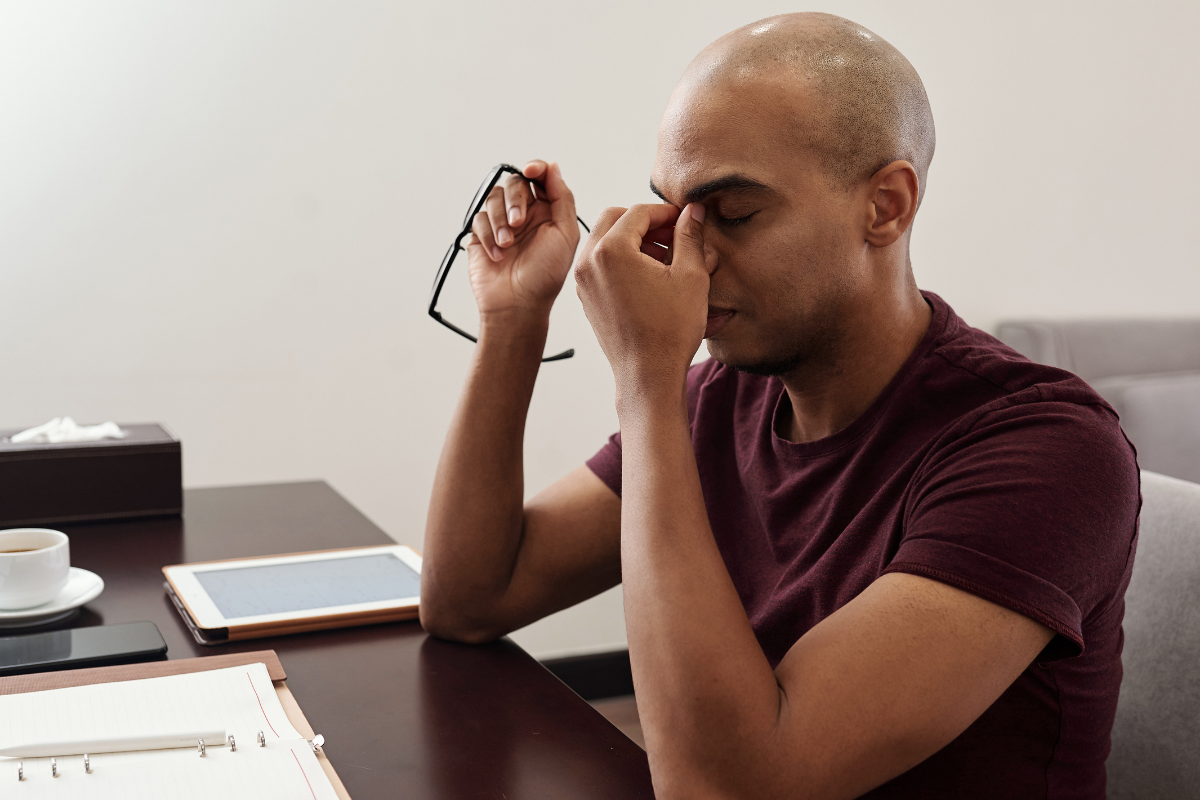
<point x="21" y="550"/>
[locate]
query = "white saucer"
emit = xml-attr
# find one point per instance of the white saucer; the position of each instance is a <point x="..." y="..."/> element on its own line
<point x="82" y="587"/>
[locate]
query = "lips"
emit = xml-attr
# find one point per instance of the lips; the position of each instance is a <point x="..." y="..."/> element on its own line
<point x="718" y="318"/>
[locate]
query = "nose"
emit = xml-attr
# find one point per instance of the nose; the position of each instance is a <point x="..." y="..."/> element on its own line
<point x="711" y="258"/>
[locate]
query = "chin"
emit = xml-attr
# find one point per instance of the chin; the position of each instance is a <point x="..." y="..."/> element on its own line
<point x="730" y="355"/>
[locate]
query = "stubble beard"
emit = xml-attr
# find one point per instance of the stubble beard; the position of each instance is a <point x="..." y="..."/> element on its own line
<point x="810" y="350"/>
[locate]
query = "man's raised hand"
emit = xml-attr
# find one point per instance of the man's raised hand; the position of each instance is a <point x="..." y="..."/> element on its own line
<point x="522" y="242"/>
<point x="648" y="305"/>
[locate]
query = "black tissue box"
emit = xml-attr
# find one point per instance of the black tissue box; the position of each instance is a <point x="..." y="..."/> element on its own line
<point x="138" y="476"/>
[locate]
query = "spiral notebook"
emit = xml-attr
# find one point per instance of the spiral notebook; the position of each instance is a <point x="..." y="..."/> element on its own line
<point x="240" y="700"/>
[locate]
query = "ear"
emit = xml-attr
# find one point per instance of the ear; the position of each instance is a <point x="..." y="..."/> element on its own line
<point x="893" y="203"/>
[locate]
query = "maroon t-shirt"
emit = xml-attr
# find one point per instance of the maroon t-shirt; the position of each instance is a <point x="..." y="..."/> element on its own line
<point x="974" y="467"/>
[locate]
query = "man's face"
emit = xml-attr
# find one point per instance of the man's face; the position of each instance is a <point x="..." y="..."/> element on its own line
<point x="788" y="245"/>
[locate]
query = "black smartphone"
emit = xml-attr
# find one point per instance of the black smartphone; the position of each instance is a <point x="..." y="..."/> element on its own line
<point x="81" y="647"/>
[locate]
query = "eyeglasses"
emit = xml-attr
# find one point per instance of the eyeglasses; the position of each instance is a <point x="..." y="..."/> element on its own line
<point x="476" y="206"/>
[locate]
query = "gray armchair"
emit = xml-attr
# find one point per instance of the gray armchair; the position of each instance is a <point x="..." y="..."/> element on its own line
<point x="1149" y="370"/>
<point x="1156" y="738"/>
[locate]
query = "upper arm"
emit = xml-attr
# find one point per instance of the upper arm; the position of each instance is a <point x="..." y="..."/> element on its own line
<point x="891" y="678"/>
<point x="570" y="547"/>
<point x="1018" y="530"/>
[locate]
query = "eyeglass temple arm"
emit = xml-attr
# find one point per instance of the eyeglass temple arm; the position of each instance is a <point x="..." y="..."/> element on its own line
<point x="437" y="315"/>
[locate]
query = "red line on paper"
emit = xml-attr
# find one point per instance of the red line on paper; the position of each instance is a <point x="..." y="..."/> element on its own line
<point x="260" y="707"/>
<point x="305" y="774"/>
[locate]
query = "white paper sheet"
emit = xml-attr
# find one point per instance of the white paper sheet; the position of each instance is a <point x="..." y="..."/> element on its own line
<point x="240" y="700"/>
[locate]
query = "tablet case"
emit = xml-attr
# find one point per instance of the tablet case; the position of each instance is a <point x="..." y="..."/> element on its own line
<point x="41" y="681"/>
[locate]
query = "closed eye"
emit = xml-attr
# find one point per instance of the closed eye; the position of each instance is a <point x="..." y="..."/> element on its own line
<point x="733" y="222"/>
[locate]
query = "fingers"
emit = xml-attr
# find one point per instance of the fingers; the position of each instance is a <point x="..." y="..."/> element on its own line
<point x="517" y="197"/>
<point x="663" y="236"/>
<point x="633" y="226"/>
<point x="474" y="244"/>
<point x="535" y="169"/>
<point x="656" y="251"/>
<point x="651" y="229"/>
<point x="562" y="201"/>
<point x="481" y="227"/>
<point x="498" y="217"/>
<point x="507" y="207"/>
<point x="604" y="223"/>
<point x="648" y="228"/>
<point x="657" y="244"/>
<point x="687" y="247"/>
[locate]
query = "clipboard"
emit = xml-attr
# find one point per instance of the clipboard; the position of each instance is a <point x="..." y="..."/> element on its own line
<point x="41" y="681"/>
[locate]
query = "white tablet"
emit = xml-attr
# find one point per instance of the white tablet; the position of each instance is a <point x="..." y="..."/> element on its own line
<point x="304" y="591"/>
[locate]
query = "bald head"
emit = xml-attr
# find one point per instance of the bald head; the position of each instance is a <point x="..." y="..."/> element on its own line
<point x="858" y="103"/>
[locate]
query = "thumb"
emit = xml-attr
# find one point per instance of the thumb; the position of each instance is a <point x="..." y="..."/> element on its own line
<point x="687" y="248"/>
<point x="562" y="201"/>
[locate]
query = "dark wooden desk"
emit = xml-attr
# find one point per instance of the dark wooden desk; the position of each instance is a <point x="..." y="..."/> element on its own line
<point x="403" y="715"/>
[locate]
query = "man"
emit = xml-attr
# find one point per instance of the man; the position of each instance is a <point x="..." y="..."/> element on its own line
<point x="866" y="549"/>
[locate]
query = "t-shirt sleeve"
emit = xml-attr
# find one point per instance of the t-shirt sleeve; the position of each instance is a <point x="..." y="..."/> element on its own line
<point x="607" y="463"/>
<point x="1033" y="508"/>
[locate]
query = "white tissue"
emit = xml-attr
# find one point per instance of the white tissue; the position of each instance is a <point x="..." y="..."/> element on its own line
<point x="65" y="429"/>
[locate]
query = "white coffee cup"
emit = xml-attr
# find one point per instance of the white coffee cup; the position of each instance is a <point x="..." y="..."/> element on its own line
<point x="34" y="566"/>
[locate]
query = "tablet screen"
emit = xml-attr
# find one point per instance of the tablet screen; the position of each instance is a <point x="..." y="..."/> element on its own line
<point x="305" y="585"/>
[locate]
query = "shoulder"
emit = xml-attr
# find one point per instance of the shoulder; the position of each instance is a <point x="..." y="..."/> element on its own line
<point x="1034" y="421"/>
<point x="1035" y="444"/>
<point x="1037" y="474"/>
<point x="976" y="354"/>
<point x="1066" y="442"/>
<point x="991" y="387"/>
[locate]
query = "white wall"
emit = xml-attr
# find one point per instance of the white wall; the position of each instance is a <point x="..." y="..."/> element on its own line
<point x="226" y="215"/>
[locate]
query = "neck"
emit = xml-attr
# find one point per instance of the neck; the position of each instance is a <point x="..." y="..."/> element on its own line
<point x="880" y="336"/>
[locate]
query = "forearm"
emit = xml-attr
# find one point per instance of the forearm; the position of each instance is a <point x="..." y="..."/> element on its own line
<point x="473" y="530"/>
<point x="707" y="696"/>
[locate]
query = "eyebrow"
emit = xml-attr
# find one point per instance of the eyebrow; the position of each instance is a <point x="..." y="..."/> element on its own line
<point x="726" y="183"/>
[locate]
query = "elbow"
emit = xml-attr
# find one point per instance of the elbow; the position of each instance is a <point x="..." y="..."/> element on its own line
<point x="454" y="631"/>
<point x="444" y="622"/>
